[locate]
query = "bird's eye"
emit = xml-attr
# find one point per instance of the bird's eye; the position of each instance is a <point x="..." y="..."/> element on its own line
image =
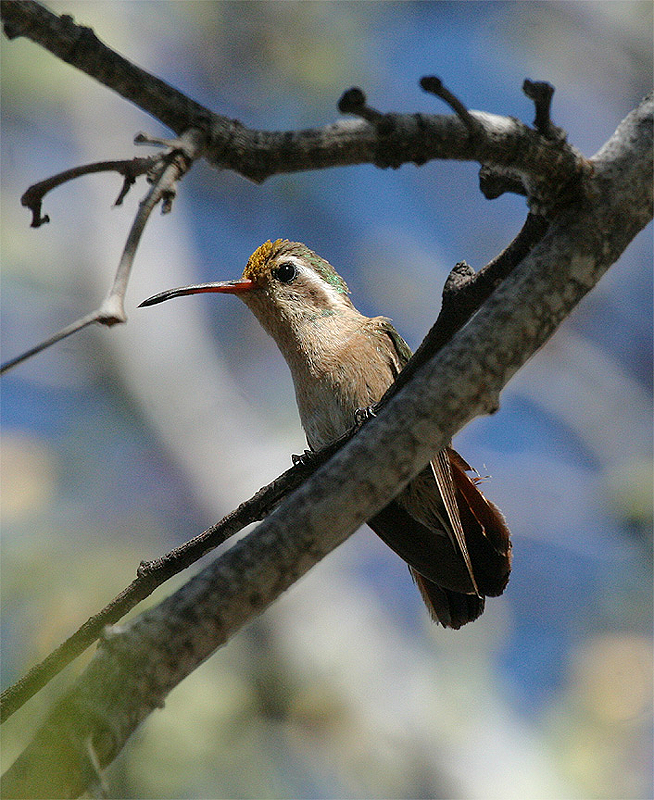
<point x="285" y="272"/>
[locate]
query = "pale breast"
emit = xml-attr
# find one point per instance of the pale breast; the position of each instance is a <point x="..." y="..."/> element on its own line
<point x="349" y="372"/>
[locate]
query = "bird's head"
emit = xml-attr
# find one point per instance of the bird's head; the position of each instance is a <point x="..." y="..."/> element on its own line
<point x="285" y="284"/>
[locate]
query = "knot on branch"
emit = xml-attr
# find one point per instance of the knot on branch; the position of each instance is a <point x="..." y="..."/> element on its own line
<point x="460" y="275"/>
<point x="493" y="183"/>
<point x="545" y="197"/>
<point x="541" y="93"/>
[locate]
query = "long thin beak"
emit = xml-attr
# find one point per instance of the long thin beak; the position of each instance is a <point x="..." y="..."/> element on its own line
<point x="225" y="287"/>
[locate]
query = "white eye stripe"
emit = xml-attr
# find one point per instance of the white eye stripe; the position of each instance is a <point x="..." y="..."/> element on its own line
<point x="312" y="281"/>
<point x="331" y="297"/>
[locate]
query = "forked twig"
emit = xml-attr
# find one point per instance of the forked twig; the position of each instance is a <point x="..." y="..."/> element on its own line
<point x="164" y="172"/>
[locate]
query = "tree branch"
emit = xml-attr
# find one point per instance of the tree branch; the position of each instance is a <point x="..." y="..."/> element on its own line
<point x="537" y="163"/>
<point x="505" y="144"/>
<point x="78" y="45"/>
<point x="130" y="169"/>
<point x="140" y="662"/>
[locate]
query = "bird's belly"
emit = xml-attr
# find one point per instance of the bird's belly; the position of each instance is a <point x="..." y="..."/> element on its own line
<point x="327" y="421"/>
<point x="329" y="391"/>
<point x="328" y="409"/>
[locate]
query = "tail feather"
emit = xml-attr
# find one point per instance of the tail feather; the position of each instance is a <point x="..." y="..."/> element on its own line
<point x="441" y="468"/>
<point x="453" y="573"/>
<point x="487" y="513"/>
<point x="487" y="534"/>
<point x="451" y="609"/>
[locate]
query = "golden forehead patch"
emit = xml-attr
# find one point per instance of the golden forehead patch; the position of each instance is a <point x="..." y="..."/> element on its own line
<point x="256" y="266"/>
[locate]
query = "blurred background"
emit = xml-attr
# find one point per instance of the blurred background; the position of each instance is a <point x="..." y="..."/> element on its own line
<point x="119" y="444"/>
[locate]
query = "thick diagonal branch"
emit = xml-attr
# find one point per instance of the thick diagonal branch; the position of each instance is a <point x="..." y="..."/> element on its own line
<point x="142" y="661"/>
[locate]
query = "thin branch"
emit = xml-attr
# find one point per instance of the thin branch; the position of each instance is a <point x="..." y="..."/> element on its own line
<point x="168" y="169"/>
<point x="434" y="85"/>
<point x="541" y="93"/>
<point x="173" y="165"/>
<point x="78" y="45"/>
<point x="78" y="325"/>
<point x="465" y="291"/>
<point x="152" y="574"/>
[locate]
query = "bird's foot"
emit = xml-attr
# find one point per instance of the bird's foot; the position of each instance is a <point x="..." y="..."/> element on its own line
<point x="362" y="415"/>
<point x="304" y="459"/>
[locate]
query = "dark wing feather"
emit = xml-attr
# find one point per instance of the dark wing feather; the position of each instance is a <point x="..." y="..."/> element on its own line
<point x="448" y="592"/>
<point x="429" y="552"/>
<point x="469" y="554"/>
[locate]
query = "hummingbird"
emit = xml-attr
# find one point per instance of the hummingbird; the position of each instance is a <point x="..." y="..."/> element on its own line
<point x="454" y="540"/>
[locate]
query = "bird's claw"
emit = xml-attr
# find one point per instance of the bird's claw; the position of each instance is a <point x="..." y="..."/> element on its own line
<point x="362" y="415"/>
<point x="302" y="460"/>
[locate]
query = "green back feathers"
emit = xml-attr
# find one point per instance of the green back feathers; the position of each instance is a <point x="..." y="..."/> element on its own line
<point x="258" y="262"/>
